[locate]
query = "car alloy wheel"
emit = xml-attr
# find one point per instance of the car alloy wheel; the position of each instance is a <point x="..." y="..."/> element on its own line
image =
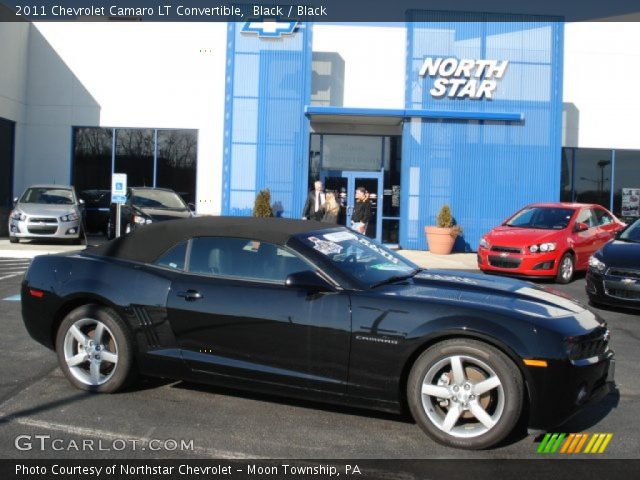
<point x="90" y="351"/>
<point x="95" y="349"/>
<point x="465" y="393"/>
<point x="565" y="269"/>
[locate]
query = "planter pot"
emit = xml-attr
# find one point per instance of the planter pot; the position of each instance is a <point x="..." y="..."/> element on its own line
<point x="439" y="240"/>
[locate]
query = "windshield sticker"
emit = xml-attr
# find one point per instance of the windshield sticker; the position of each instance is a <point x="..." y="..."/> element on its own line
<point x="325" y="247"/>
<point x="252" y="246"/>
<point x="388" y="266"/>
<point x="378" y="250"/>
<point x="339" y="236"/>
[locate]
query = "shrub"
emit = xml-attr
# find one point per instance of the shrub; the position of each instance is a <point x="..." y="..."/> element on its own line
<point x="262" y="205"/>
<point x="445" y="220"/>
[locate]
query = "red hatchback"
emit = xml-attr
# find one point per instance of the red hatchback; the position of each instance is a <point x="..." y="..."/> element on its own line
<point x="549" y="240"/>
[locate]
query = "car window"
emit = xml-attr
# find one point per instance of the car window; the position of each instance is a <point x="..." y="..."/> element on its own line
<point x="173" y="258"/>
<point x="586" y="216"/>
<point x="239" y="257"/>
<point x="548" y="218"/>
<point x="49" y="196"/>
<point x="602" y="217"/>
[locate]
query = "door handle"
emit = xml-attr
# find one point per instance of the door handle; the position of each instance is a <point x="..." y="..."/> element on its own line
<point x="190" y="295"/>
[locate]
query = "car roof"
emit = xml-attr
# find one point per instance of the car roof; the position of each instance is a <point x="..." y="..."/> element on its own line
<point x="148" y="243"/>
<point x="564" y="205"/>
<point x="50" y="185"/>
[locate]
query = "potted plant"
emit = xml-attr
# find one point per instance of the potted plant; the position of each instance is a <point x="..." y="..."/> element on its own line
<point x="262" y="205"/>
<point x="440" y="238"/>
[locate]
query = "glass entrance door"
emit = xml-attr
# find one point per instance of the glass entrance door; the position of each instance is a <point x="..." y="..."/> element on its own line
<point x="344" y="185"/>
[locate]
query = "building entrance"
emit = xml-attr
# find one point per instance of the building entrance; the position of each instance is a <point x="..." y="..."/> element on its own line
<point x="344" y="185"/>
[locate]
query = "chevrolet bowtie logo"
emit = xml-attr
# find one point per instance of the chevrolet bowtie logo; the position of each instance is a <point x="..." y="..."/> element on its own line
<point x="270" y="28"/>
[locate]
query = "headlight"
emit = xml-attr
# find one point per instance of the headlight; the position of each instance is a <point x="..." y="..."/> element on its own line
<point x="141" y="220"/>
<point x="543" y="247"/>
<point x="72" y="217"/>
<point x="597" y="264"/>
<point x="484" y="243"/>
<point x="18" y="215"/>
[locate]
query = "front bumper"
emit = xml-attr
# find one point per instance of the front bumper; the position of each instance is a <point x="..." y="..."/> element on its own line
<point x="565" y="387"/>
<point x="543" y="265"/>
<point x="614" y="291"/>
<point x="46" y="227"/>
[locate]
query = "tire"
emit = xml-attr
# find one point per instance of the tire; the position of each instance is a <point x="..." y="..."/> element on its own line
<point x="110" y="231"/>
<point x="14" y="240"/>
<point x="105" y="374"/>
<point x="81" y="240"/>
<point x="501" y="403"/>
<point x="565" y="276"/>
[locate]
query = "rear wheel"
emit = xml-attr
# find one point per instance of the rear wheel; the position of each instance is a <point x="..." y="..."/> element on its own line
<point x="566" y="269"/>
<point x="465" y="394"/>
<point x="95" y="349"/>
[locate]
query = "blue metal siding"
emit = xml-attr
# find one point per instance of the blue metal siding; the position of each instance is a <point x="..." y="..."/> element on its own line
<point x="485" y="170"/>
<point x="266" y="132"/>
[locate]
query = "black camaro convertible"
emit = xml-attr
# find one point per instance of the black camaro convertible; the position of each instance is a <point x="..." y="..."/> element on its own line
<point x="309" y="310"/>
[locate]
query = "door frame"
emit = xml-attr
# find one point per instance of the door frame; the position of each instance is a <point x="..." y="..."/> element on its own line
<point x="351" y="176"/>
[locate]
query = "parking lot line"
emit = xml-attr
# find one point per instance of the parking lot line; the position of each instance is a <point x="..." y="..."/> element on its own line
<point x="10" y="276"/>
<point x="104" y="434"/>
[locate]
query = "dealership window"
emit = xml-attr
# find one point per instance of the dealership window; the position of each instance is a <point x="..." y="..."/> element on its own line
<point x="7" y="135"/>
<point x="149" y="157"/>
<point x="610" y="178"/>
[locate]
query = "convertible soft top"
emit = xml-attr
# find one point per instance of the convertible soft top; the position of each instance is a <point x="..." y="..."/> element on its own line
<point x="148" y="243"/>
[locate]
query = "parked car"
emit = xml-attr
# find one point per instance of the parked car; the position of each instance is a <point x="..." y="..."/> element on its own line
<point x="96" y="210"/>
<point x="47" y="212"/>
<point x="307" y="309"/>
<point x="613" y="277"/>
<point x="146" y="205"/>
<point x="547" y="240"/>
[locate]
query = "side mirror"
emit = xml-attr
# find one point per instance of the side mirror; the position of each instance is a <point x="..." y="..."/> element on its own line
<point x="580" y="227"/>
<point x="81" y="202"/>
<point x="15" y="200"/>
<point x="307" y="280"/>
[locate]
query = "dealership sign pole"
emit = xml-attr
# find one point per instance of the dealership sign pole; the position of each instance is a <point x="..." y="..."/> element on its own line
<point x="118" y="196"/>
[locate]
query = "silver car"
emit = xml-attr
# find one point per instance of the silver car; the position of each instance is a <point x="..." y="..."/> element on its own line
<point x="47" y="212"/>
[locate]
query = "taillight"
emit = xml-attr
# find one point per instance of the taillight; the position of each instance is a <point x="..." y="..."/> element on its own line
<point x="36" y="293"/>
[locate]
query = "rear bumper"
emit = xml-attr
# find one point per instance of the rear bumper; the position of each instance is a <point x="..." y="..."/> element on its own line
<point x="565" y="388"/>
<point x="540" y="265"/>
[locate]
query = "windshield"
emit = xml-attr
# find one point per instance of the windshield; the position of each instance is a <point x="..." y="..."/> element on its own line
<point x="358" y="256"/>
<point x="157" y="199"/>
<point x="547" y="218"/>
<point x="632" y="232"/>
<point x="49" y="196"/>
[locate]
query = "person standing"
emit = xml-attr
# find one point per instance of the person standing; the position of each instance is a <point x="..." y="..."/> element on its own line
<point x="331" y="209"/>
<point x="315" y="200"/>
<point x="361" y="211"/>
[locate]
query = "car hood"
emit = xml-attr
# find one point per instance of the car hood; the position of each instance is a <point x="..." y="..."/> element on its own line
<point x="519" y="237"/>
<point x="621" y="254"/>
<point x="46" y="210"/>
<point x="511" y="296"/>
<point x="159" y="215"/>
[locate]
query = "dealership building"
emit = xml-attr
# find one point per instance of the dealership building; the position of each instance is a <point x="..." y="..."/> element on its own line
<point x="485" y="115"/>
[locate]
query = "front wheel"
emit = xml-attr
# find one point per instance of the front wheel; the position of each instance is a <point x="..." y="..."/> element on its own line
<point x="465" y="394"/>
<point x="13" y="240"/>
<point x="95" y="349"/>
<point x="566" y="269"/>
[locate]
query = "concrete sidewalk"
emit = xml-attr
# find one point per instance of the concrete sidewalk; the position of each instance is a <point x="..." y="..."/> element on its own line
<point x="455" y="261"/>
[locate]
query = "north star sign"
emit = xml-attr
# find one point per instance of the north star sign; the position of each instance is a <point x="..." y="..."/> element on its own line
<point x="463" y="78"/>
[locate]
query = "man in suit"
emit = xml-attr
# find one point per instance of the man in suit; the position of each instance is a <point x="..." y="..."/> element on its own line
<point x="313" y="206"/>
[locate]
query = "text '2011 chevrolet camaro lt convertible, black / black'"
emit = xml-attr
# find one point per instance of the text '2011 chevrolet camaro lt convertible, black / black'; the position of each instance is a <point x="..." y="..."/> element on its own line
<point x="312" y="310"/>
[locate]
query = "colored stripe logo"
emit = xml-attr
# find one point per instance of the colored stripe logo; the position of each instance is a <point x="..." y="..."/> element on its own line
<point x="574" y="443"/>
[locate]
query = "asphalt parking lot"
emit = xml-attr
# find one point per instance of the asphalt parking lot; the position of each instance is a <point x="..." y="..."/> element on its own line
<point x="35" y="399"/>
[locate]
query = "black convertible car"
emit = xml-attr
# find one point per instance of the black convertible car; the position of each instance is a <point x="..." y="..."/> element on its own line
<point x="310" y="310"/>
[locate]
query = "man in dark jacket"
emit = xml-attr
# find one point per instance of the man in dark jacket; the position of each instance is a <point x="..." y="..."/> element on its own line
<point x="361" y="211"/>
<point x="313" y="206"/>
